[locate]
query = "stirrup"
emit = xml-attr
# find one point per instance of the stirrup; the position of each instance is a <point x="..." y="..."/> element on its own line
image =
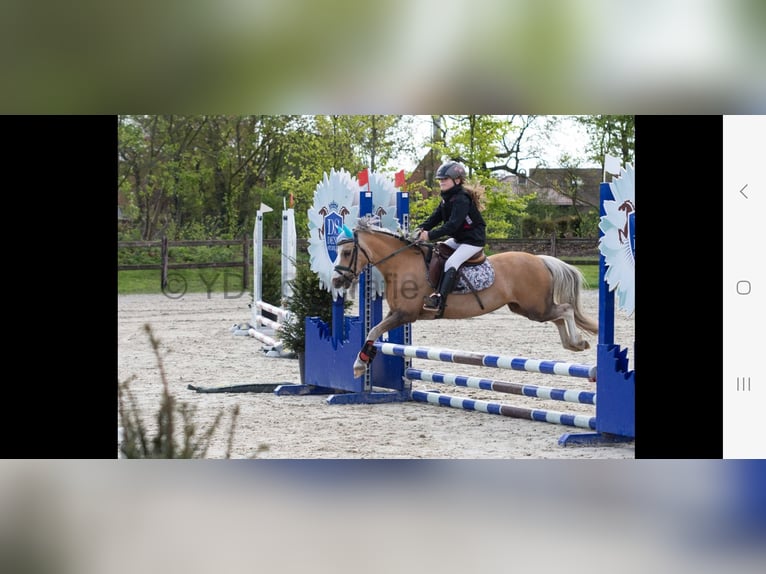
<point x="432" y="302"/>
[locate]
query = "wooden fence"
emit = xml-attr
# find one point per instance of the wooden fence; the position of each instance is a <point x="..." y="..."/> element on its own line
<point x="572" y="250"/>
<point x="576" y="250"/>
<point x="165" y="264"/>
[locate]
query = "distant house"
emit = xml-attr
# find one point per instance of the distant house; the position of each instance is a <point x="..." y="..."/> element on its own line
<point x="565" y="187"/>
<point x="421" y="180"/>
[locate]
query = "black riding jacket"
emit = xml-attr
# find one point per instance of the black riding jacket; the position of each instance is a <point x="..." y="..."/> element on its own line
<point x="460" y="219"/>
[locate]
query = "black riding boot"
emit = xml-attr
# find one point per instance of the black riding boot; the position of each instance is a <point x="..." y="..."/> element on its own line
<point x="437" y="300"/>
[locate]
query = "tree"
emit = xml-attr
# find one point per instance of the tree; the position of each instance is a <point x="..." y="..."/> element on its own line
<point x="152" y="151"/>
<point x="384" y="138"/>
<point x="491" y="145"/>
<point x="207" y="173"/>
<point x="503" y="212"/>
<point x="613" y="135"/>
<point x="471" y="141"/>
<point x="205" y="176"/>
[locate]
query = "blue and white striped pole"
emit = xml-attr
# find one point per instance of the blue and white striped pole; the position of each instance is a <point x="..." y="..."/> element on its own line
<point x="555" y="417"/>
<point x="485" y="360"/>
<point x="540" y="392"/>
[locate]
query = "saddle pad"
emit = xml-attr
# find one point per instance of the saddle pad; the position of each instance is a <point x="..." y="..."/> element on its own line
<point x="480" y="276"/>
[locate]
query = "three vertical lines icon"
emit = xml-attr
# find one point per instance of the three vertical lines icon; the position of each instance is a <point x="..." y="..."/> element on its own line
<point x="743" y="384"/>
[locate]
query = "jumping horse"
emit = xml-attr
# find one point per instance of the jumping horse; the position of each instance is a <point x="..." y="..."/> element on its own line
<point x="539" y="287"/>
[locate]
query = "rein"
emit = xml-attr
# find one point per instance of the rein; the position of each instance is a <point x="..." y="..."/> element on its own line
<point x="343" y="270"/>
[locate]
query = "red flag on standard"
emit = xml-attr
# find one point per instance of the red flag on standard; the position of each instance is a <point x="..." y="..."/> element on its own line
<point x="363" y="177"/>
<point x="399" y="178"/>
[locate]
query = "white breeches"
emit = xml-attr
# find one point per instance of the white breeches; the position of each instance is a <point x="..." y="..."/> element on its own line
<point x="462" y="253"/>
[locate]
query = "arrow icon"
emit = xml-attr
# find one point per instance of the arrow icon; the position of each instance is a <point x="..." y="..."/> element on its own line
<point x="742" y="190"/>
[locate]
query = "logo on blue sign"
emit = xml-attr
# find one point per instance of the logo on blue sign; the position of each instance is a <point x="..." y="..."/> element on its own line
<point x="332" y="224"/>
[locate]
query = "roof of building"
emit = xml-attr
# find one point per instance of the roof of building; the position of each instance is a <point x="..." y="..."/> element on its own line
<point x="560" y="186"/>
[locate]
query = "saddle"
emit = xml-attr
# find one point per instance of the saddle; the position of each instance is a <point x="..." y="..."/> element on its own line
<point x="439" y="255"/>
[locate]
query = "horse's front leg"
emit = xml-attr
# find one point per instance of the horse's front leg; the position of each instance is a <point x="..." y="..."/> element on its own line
<point x="367" y="354"/>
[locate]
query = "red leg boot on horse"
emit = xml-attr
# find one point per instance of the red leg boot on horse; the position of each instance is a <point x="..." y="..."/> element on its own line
<point x="438" y="299"/>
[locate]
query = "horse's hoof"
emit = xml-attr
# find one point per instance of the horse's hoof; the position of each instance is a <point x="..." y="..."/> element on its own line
<point x="577" y="347"/>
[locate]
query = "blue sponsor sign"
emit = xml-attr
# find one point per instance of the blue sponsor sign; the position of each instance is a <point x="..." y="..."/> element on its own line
<point x="333" y="222"/>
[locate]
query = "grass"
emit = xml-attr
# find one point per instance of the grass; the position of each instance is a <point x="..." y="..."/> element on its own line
<point x="219" y="280"/>
<point x="591" y="275"/>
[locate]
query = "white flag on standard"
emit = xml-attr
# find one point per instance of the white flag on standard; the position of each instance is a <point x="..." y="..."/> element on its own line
<point x="264" y="208"/>
<point x="612" y="164"/>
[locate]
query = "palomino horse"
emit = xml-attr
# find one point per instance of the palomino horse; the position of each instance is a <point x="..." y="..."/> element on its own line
<point x="539" y="287"/>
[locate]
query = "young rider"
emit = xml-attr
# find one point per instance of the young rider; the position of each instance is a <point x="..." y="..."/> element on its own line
<point x="461" y="221"/>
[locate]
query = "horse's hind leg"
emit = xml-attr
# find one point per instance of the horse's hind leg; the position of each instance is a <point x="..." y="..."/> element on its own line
<point x="563" y="318"/>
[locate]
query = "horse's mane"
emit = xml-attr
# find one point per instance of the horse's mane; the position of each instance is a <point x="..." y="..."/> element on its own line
<point x="371" y="223"/>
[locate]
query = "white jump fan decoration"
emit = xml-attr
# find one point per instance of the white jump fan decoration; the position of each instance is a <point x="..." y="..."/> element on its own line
<point x="336" y="203"/>
<point x="618" y="244"/>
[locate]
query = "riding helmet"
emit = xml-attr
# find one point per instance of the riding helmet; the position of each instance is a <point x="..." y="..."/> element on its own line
<point x="451" y="169"/>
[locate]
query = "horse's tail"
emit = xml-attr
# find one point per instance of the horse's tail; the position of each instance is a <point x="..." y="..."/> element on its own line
<point x="568" y="281"/>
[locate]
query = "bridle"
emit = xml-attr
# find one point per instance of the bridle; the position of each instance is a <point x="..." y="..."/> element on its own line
<point x="351" y="270"/>
<point x="345" y="271"/>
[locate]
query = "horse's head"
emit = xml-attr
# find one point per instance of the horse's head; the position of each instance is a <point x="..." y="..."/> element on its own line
<point x="347" y="265"/>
